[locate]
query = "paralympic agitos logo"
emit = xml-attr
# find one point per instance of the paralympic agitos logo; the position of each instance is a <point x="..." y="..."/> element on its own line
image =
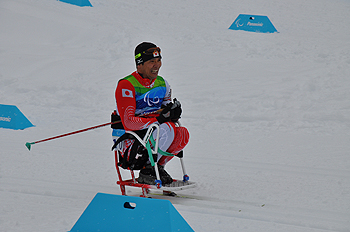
<point x="151" y="101"/>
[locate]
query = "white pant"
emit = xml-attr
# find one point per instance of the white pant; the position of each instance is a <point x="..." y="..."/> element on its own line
<point x="166" y="137"/>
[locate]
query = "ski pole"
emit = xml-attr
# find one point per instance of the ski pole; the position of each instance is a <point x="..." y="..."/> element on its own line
<point x="28" y="145"/>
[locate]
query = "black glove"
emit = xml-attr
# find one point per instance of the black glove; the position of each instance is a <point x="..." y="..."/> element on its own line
<point x="165" y="114"/>
<point x="176" y="111"/>
<point x="172" y="111"/>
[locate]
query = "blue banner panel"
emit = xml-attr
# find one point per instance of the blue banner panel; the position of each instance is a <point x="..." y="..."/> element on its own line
<point x="254" y="23"/>
<point x="78" y="2"/>
<point x="108" y="212"/>
<point x="12" y="118"/>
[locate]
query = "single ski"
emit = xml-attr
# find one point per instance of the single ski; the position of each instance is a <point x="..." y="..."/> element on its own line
<point x="174" y="195"/>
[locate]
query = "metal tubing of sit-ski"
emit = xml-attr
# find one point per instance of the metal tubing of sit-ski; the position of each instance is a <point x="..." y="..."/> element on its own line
<point x="137" y="137"/>
<point x="145" y="140"/>
<point x="157" y="171"/>
<point x="147" y="136"/>
<point x="157" y="140"/>
<point x="133" y="176"/>
<point x="183" y="166"/>
<point x="156" y="150"/>
<point x="122" y="187"/>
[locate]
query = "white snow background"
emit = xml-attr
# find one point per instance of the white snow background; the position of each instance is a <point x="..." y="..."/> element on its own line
<point x="268" y="114"/>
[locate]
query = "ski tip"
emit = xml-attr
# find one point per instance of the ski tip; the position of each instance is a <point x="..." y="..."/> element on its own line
<point x="29" y="145"/>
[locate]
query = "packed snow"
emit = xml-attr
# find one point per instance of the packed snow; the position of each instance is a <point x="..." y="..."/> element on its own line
<point x="268" y="114"/>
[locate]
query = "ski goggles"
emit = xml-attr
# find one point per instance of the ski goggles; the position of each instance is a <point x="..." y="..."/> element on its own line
<point x="152" y="51"/>
<point x="155" y="52"/>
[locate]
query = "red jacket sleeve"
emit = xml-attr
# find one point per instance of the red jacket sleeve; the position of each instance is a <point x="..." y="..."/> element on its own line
<point x="126" y="105"/>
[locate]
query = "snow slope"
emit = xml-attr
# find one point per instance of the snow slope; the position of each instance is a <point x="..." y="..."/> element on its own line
<point x="268" y="113"/>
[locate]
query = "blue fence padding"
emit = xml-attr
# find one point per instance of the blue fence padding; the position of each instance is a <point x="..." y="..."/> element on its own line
<point x="254" y="23"/>
<point x="78" y="2"/>
<point x="108" y="212"/>
<point x="12" y="118"/>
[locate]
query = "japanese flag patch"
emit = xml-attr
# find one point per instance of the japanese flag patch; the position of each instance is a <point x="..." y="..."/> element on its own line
<point x="127" y="93"/>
